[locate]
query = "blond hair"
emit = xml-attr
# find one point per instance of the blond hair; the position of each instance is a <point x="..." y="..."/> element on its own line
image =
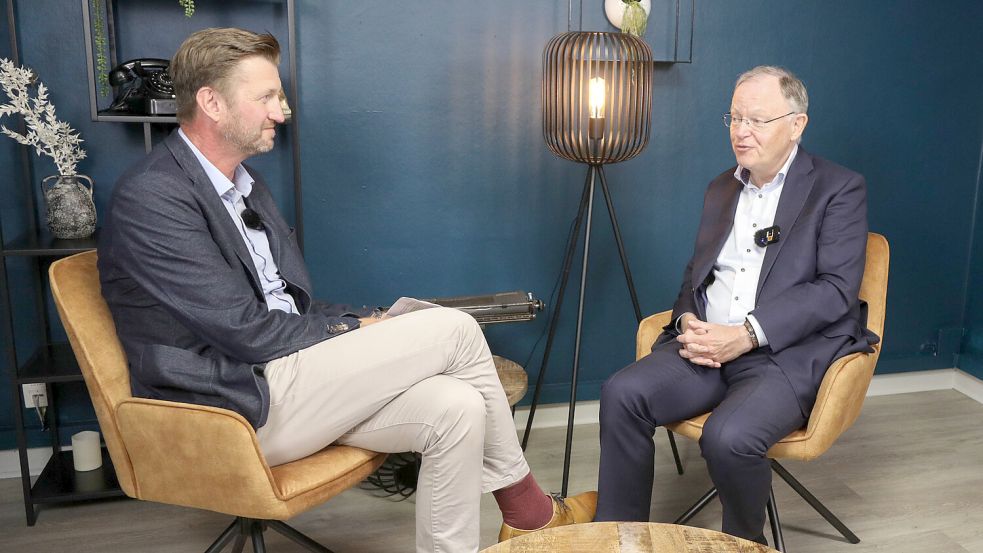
<point x="208" y="58"/>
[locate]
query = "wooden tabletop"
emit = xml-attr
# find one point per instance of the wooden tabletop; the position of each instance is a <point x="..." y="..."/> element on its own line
<point x="513" y="377"/>
<point x="627" y="537"/>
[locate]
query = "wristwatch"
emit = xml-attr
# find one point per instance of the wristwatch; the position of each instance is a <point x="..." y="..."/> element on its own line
<point x="750" y="331"/>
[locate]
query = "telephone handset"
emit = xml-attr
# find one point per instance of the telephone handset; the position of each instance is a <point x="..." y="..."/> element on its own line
<point x="143" y="86"/>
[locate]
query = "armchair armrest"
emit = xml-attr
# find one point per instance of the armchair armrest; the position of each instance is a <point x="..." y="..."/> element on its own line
<point x="838" y="404"/>
<point x="648" y="330"/>
<point x="193" y="455"/>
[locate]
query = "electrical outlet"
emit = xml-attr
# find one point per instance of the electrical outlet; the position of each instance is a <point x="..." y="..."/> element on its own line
<point x="32" y="390"/>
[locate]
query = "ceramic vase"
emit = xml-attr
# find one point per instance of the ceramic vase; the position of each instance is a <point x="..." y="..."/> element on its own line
<point x="615" y="10"/>
<point x="70" y="209"/>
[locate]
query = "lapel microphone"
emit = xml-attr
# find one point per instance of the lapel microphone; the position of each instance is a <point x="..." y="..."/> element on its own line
<point x="252" y="219"/>
<point x="767" y="236"/>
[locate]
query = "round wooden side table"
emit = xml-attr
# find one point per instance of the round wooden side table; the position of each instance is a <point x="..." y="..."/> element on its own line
<point x="628" y="537"/>
<point x="513" y="377"/>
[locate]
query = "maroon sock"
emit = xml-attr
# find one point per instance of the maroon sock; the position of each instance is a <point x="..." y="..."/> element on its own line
<point x="524" y="505"/>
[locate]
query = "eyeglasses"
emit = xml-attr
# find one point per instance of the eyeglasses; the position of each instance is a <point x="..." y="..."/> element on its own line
<point x="251" y="219"/>
<point x="754" y="124"/>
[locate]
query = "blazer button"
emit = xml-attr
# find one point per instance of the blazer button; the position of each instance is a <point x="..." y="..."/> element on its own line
<point x="335" y="328"/>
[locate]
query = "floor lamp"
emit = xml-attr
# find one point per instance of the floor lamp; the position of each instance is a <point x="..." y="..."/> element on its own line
<point x="597" y="110"/>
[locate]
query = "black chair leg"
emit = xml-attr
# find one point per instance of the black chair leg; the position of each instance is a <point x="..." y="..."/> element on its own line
<point x="776" y="524"/>
<point x="814" y="502"/>
<point x="675" y="452"/>
<point x="239" y="544"/>
<point x="224" y="538"/>
<point x="256" y="530"/>
<point x="242" y="527"/>
<point x="245" y="529"/>
<point x="297" y="537"/>
<point x="697" y="507"/>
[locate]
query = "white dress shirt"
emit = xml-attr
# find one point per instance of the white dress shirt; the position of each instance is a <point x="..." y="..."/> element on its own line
<point x="731" y="296"/>
<point x="233" y="194"/>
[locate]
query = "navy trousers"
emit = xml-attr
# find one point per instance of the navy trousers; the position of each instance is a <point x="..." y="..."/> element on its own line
<point x="753" y="407"/>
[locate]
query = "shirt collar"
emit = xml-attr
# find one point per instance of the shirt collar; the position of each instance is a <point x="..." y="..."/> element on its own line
<point x="242" y="183"/>
<point x="743" y="174"/>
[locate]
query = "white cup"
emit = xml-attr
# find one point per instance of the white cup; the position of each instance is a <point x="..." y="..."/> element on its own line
<point x="86" y="452"/>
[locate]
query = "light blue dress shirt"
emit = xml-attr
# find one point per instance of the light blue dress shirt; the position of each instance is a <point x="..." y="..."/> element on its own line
<point x="232" y="194"/>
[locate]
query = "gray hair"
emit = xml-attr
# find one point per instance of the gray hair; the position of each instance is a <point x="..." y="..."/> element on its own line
<point x="792" y="88"/>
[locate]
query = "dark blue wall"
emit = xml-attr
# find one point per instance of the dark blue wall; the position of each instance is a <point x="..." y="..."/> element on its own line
<point x="22" y="276"/>
<point x="971" y="358"/>
<point x="425" y="172"/>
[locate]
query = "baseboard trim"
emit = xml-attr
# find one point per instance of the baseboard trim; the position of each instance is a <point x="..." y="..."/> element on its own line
<point x="555" y="415"/>
<point x="969" y="385"/>
<point x="913" y="381"/>
<point x="37" y="457"/>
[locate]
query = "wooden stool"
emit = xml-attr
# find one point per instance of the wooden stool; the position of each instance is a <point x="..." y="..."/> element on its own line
<point x="513" y="377"/>
<point x="627" y="537"/>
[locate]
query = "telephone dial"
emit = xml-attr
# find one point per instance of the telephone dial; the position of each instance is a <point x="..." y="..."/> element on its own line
<point x="143" y="86"/>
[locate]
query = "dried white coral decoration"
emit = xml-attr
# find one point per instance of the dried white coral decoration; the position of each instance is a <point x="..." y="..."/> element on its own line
<point x="45" y="132"/>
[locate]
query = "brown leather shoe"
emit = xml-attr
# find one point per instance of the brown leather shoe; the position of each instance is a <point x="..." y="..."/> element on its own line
<point x="566" y="510"/>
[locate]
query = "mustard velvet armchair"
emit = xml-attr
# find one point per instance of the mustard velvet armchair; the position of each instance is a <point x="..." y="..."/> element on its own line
<point x="191" y="455"/>
<point x="838" y="403"/>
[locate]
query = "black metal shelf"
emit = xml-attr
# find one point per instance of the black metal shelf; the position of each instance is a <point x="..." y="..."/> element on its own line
<point x="59" y="481"/>
<point x="51" y="363"/>
<point x="55" y="363"/>
<point x="44" y="244"/>
<point x="119" y="117"/>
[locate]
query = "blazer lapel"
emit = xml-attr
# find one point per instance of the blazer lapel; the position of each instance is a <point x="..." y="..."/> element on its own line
<point x="271" y="235"/>
<point x="284" y="258"/>
<point x="795" y="192"/>
<point x="224" y="231"/>
<point x="723" y="203"/>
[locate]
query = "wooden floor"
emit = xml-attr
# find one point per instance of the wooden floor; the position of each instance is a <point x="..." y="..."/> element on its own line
<point x="908" y="477"/>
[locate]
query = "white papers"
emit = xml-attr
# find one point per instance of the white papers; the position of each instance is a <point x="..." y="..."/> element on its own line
<point x="408" y="305"/>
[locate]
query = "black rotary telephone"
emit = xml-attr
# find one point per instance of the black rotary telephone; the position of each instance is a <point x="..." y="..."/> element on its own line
<point x="143" y="86"/>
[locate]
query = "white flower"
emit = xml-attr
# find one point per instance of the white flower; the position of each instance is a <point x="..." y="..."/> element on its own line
<point x="49" y="136"/>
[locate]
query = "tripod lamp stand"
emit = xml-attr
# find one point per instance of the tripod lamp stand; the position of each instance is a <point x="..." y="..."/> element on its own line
<point x="597" y="110"/>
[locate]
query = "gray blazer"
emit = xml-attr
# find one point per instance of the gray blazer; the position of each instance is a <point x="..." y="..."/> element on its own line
<point x="184" y="292"/>
<point x="807" y="296"/>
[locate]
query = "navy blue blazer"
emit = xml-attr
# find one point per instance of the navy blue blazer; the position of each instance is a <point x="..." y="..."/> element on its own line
<point x="807" y="296"/>
<point x="185" y="295"/>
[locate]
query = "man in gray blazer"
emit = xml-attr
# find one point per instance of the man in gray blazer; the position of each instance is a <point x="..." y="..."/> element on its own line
<point x="214" y="306"/>
<point x="769" y="299"/>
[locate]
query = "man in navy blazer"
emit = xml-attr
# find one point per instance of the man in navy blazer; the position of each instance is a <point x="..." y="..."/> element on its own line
<point x="769" y="299"/>
<point x="214" y="306"/>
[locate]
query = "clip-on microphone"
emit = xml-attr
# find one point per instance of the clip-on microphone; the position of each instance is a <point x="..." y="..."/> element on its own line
<point x="767" y="236"/>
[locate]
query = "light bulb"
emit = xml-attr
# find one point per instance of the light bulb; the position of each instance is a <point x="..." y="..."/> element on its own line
<point x="595" y="97"/>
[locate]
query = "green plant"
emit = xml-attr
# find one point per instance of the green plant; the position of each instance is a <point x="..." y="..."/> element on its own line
<point x="102" y="66"/>
<point x="189" y="7"/>
<point x="635" y="19"/>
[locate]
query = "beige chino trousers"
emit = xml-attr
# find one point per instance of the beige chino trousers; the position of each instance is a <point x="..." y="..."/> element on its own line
<point x="424" y="382"/>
